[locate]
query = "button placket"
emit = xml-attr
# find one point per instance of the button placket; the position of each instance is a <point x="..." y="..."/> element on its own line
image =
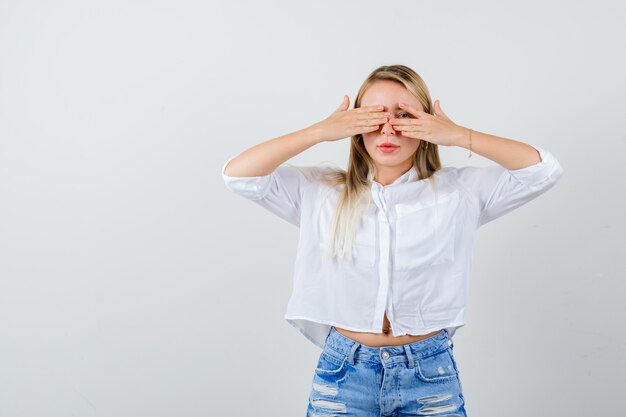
<point x="383" y="227"/>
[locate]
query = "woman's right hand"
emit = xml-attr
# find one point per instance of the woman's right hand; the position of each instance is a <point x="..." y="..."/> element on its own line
<point x="343" y="123"/>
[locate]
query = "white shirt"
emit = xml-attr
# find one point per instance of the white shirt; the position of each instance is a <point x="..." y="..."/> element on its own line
<point x="413" y="256"/>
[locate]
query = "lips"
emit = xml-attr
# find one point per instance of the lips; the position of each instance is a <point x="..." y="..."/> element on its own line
<point x="388" y="147"/>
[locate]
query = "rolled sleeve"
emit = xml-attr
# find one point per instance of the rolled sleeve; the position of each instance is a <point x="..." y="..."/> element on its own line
<point x="280" y="192"/>
<point x="548" y="169"/>
<point x="249" y="187"/>
<point x="498" y="190"/>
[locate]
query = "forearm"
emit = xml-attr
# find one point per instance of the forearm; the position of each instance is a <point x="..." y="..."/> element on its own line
<point x="509" y="153"/>
<point x="264" y="158"/>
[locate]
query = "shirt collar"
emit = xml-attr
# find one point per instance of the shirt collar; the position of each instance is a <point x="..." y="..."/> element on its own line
<point x="409" y="176"/>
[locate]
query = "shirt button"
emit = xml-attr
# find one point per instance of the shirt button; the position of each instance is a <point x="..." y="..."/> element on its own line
<point x="385" y="354"/>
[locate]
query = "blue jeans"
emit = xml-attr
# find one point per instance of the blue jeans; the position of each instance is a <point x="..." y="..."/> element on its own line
<point x="415" y="379"/>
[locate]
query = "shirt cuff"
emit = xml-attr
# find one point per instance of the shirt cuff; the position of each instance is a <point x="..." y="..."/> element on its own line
<point x="544" y="170"/>
<point x="248" y="187"/>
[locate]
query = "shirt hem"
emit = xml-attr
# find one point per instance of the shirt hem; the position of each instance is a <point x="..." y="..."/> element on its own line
<point x="290" y="319"/>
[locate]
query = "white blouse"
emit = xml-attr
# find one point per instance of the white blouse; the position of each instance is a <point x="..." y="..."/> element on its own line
<point x="413" y="254"/>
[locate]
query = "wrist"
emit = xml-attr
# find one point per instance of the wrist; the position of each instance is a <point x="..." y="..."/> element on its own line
<point x="464" y="139"/>
<point x="316" y="133"/>
<point x="461" y="139"/>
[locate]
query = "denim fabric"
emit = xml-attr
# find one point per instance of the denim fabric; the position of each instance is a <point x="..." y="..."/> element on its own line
<point x="415" y="379"/>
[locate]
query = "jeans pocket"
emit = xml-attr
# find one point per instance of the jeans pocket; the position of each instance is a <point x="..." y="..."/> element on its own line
<point x="332" y="365"/>
<point x="437" y="367"/>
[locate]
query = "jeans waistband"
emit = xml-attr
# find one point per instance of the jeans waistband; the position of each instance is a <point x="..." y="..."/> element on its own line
<point x="356" y="351"/>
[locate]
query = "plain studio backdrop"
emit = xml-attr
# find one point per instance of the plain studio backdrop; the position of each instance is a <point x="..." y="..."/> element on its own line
<point x="134" y="283"/>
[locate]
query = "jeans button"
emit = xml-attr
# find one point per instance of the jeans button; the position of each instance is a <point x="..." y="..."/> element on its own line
<point x="385" y="354"/>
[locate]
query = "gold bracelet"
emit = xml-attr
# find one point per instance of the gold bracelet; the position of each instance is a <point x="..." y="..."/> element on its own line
<point x="470" y="143"/>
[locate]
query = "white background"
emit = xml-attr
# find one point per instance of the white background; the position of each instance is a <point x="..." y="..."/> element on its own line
<point x="134" y="283"/>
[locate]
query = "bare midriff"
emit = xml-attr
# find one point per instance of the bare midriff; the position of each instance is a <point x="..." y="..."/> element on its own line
<point x="383" y="339"/>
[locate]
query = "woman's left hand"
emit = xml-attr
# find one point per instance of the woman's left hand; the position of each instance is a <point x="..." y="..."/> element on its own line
<point x="437" y="128"/>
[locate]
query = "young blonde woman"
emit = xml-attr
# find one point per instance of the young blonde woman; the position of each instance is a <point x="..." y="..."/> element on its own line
<point x="385" y="247"/>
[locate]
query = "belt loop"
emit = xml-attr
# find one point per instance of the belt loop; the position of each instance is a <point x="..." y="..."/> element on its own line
<point x="450" y="342"/>
<point x="409" y="355"/>
<point x="351" y="355"/>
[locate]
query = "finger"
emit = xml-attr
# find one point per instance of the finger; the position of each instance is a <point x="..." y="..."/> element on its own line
<point x="345" y="105"/>
<point x="406" y="122"/>
<point x="368" y="129"/>
<point x="415" y="112"/>
<point x="414" y="135"/>
<point x="410" y="128"/>
<point x="367" y="109"/>
<point x="373" y="115"/>
<point x="370" y="122"/>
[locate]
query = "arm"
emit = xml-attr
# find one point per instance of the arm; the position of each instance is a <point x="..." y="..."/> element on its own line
<point x="509" y="153"/>
<point x="499" y="190"/>
<point x="523" y="172"/>
<point x="264" y="158"/>
<point x="260" y="174"/>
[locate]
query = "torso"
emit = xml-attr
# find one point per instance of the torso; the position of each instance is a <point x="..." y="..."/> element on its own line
<point x="383" y="339"/>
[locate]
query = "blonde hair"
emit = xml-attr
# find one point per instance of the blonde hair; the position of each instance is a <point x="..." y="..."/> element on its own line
<point x="356" y="182"/>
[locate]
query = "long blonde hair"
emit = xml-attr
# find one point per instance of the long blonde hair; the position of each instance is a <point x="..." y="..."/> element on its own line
<point x="357" y="180"/>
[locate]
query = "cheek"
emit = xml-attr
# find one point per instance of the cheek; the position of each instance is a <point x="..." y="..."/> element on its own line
<point x="411" y="144"/>
<point x="368" y="135"/>
<point x="368" y="139"/>
<point x="408" y="149"/>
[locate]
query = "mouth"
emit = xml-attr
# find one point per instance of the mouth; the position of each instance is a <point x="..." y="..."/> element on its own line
<point x="388" y="147"/>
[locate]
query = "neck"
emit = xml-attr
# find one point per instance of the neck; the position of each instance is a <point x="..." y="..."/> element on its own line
<point x="387" y="175"/>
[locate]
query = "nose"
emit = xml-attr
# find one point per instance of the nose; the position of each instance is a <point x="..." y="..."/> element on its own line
<point x="388" y="129"/>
